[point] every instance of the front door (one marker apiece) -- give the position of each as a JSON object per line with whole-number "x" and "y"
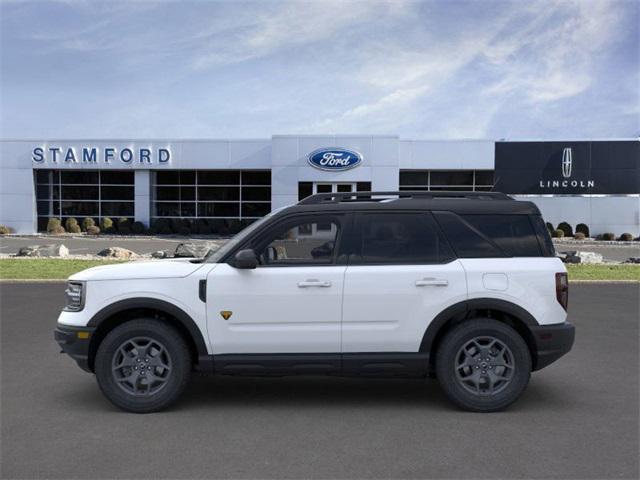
{"x": 292, "y": 302}
{"x": 401, "y": 275}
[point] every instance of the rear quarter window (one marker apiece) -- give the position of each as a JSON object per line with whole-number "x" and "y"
{"x": 483, "y": 236}
{"x": 514, "y": 234}
{"x": 467, "y": 241}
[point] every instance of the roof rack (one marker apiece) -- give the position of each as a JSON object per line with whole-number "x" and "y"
{"x": 419, "y": 194}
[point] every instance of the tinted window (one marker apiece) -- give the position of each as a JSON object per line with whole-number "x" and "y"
{"x": 467, "y": 242}
{"x": 512, "y": 233}
{"x": 548, "y": 250}
{"x": 394, "y": 238}
{"x": 305, "y": 242}
{"x": 453, "y": 177}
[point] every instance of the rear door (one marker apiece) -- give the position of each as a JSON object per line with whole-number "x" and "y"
{"x": 401, "y": 274}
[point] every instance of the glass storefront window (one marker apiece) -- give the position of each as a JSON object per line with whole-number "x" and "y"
{"x": 453, "y": 180}
{"x": 80, "y": 194}
{"x": 211, "y": 194}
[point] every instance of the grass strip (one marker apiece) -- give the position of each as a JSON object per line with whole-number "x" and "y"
{"x": 45, "y": 268}
{"x": 604, "y": 272}
{"x": 58, "y": 268}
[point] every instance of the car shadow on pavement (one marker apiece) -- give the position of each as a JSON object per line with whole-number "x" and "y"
{"x": 313, "y": 392}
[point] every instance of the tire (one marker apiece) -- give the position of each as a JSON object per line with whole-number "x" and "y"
{"x": 143, "y": 365}
{"x": 472, "y": 382}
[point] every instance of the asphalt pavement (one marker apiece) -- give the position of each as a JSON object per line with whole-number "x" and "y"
{"x": 578, "y": 419}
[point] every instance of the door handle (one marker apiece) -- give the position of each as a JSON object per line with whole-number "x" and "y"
{"x": 432, "y": 282}
{"x": 313, "y": 283}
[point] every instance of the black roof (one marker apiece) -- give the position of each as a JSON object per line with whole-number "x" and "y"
{"x": 457, "y": 202}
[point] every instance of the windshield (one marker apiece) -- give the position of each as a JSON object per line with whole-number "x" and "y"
{"x": 216, "y": 255}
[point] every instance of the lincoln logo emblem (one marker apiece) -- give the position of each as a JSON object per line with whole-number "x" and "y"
{"x": 567, "y": 160}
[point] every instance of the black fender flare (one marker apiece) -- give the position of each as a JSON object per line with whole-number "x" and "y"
{"x": 153, "y": 303}
{"x": 459, "y": 310}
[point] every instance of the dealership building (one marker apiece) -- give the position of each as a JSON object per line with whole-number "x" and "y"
{"x": 596, "y": 182}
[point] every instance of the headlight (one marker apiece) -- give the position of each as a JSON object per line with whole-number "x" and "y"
{"x": 74, "y": 295}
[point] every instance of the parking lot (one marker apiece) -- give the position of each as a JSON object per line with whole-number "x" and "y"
{"x": 578, "y": 419}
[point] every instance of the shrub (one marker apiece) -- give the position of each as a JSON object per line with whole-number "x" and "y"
{"x": 583, "y": 228}
{"x": 124, "y": 226}
{"x": 566, "y": 228}
{"x": 70, "y": 222}
{"x": 71, "y": 225}
{"x": 93, "y": 230}
{"x": 181, "y": 226}
{"x": 607, "y": 236}
{"x": 202, "y": 227}
{"x": 550, "y": 227}
{"x": 161, "y": 226}
{"x": 579, "y": 236}
{"x": 88, "y": 222}
{"x": 57, "y": 230}
{"x": 4, "y": 230}
{"x": 138, "y": 228}
{"x": 626, "y": 237}
{"x": 52, "y": 224}
{"x": 557, "y": 233}
{"x": 106, "y": 225}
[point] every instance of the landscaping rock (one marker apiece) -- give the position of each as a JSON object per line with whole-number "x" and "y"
{"x": 52, "y": 250}
{"x": 191, "y": 250}
{"x": 581, "y": 257}
{"x": 159, "y": 254}
{"x": 117, "y": 252}
{"x": 562, "y": 256}
{"x": 632, "y": 260}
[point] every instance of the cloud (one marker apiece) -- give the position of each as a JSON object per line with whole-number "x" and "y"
{"x": 287, "y": 25}
{"x": 419, "y": 69}
{"x": 553, "y": 57}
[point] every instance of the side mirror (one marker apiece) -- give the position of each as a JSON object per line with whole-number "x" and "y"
{"x": 245, "y": 259}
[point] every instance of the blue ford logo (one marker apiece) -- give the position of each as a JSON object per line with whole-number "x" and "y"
{"x": 334, "y": 159}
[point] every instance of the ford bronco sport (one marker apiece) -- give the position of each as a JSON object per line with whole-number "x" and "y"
{"x": 463, "y": 286}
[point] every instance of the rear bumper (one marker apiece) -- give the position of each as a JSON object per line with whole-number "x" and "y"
{"x": 74, "y": 341}
{"x": 552, "y": 342}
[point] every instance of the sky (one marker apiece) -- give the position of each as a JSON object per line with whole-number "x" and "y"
{"x": 420, "y": 70}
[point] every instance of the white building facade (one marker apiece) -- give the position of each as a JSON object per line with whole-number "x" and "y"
{"x": 223, "y": 181}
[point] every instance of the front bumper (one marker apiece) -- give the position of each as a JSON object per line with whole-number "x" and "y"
{"x": 74, "y": 341}
{"x": 552, "y": 342}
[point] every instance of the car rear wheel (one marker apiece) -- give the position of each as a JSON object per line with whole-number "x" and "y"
{"x": 143, "y": 365}
{"x": 483, "y": 365}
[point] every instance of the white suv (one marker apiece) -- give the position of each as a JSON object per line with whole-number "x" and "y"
{"x": 463, "y": 286}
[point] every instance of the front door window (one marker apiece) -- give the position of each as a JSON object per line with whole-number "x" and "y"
{"x": 322, "y": 187}
{"x": 294, "y": 245}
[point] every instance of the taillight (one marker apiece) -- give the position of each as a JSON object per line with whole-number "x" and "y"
{"x": 562, "y": 289}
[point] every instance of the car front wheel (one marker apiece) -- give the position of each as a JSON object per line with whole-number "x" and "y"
{"x": 143, "y": 365}
{"x": 483, "y": 365}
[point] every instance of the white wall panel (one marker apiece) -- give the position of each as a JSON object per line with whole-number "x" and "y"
{"x": 616, "y": 214}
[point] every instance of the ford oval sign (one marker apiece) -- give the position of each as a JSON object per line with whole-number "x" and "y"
{"x": 334, "y": 159}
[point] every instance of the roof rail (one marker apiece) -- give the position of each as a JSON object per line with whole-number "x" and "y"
{"x": 419, "y": 194}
